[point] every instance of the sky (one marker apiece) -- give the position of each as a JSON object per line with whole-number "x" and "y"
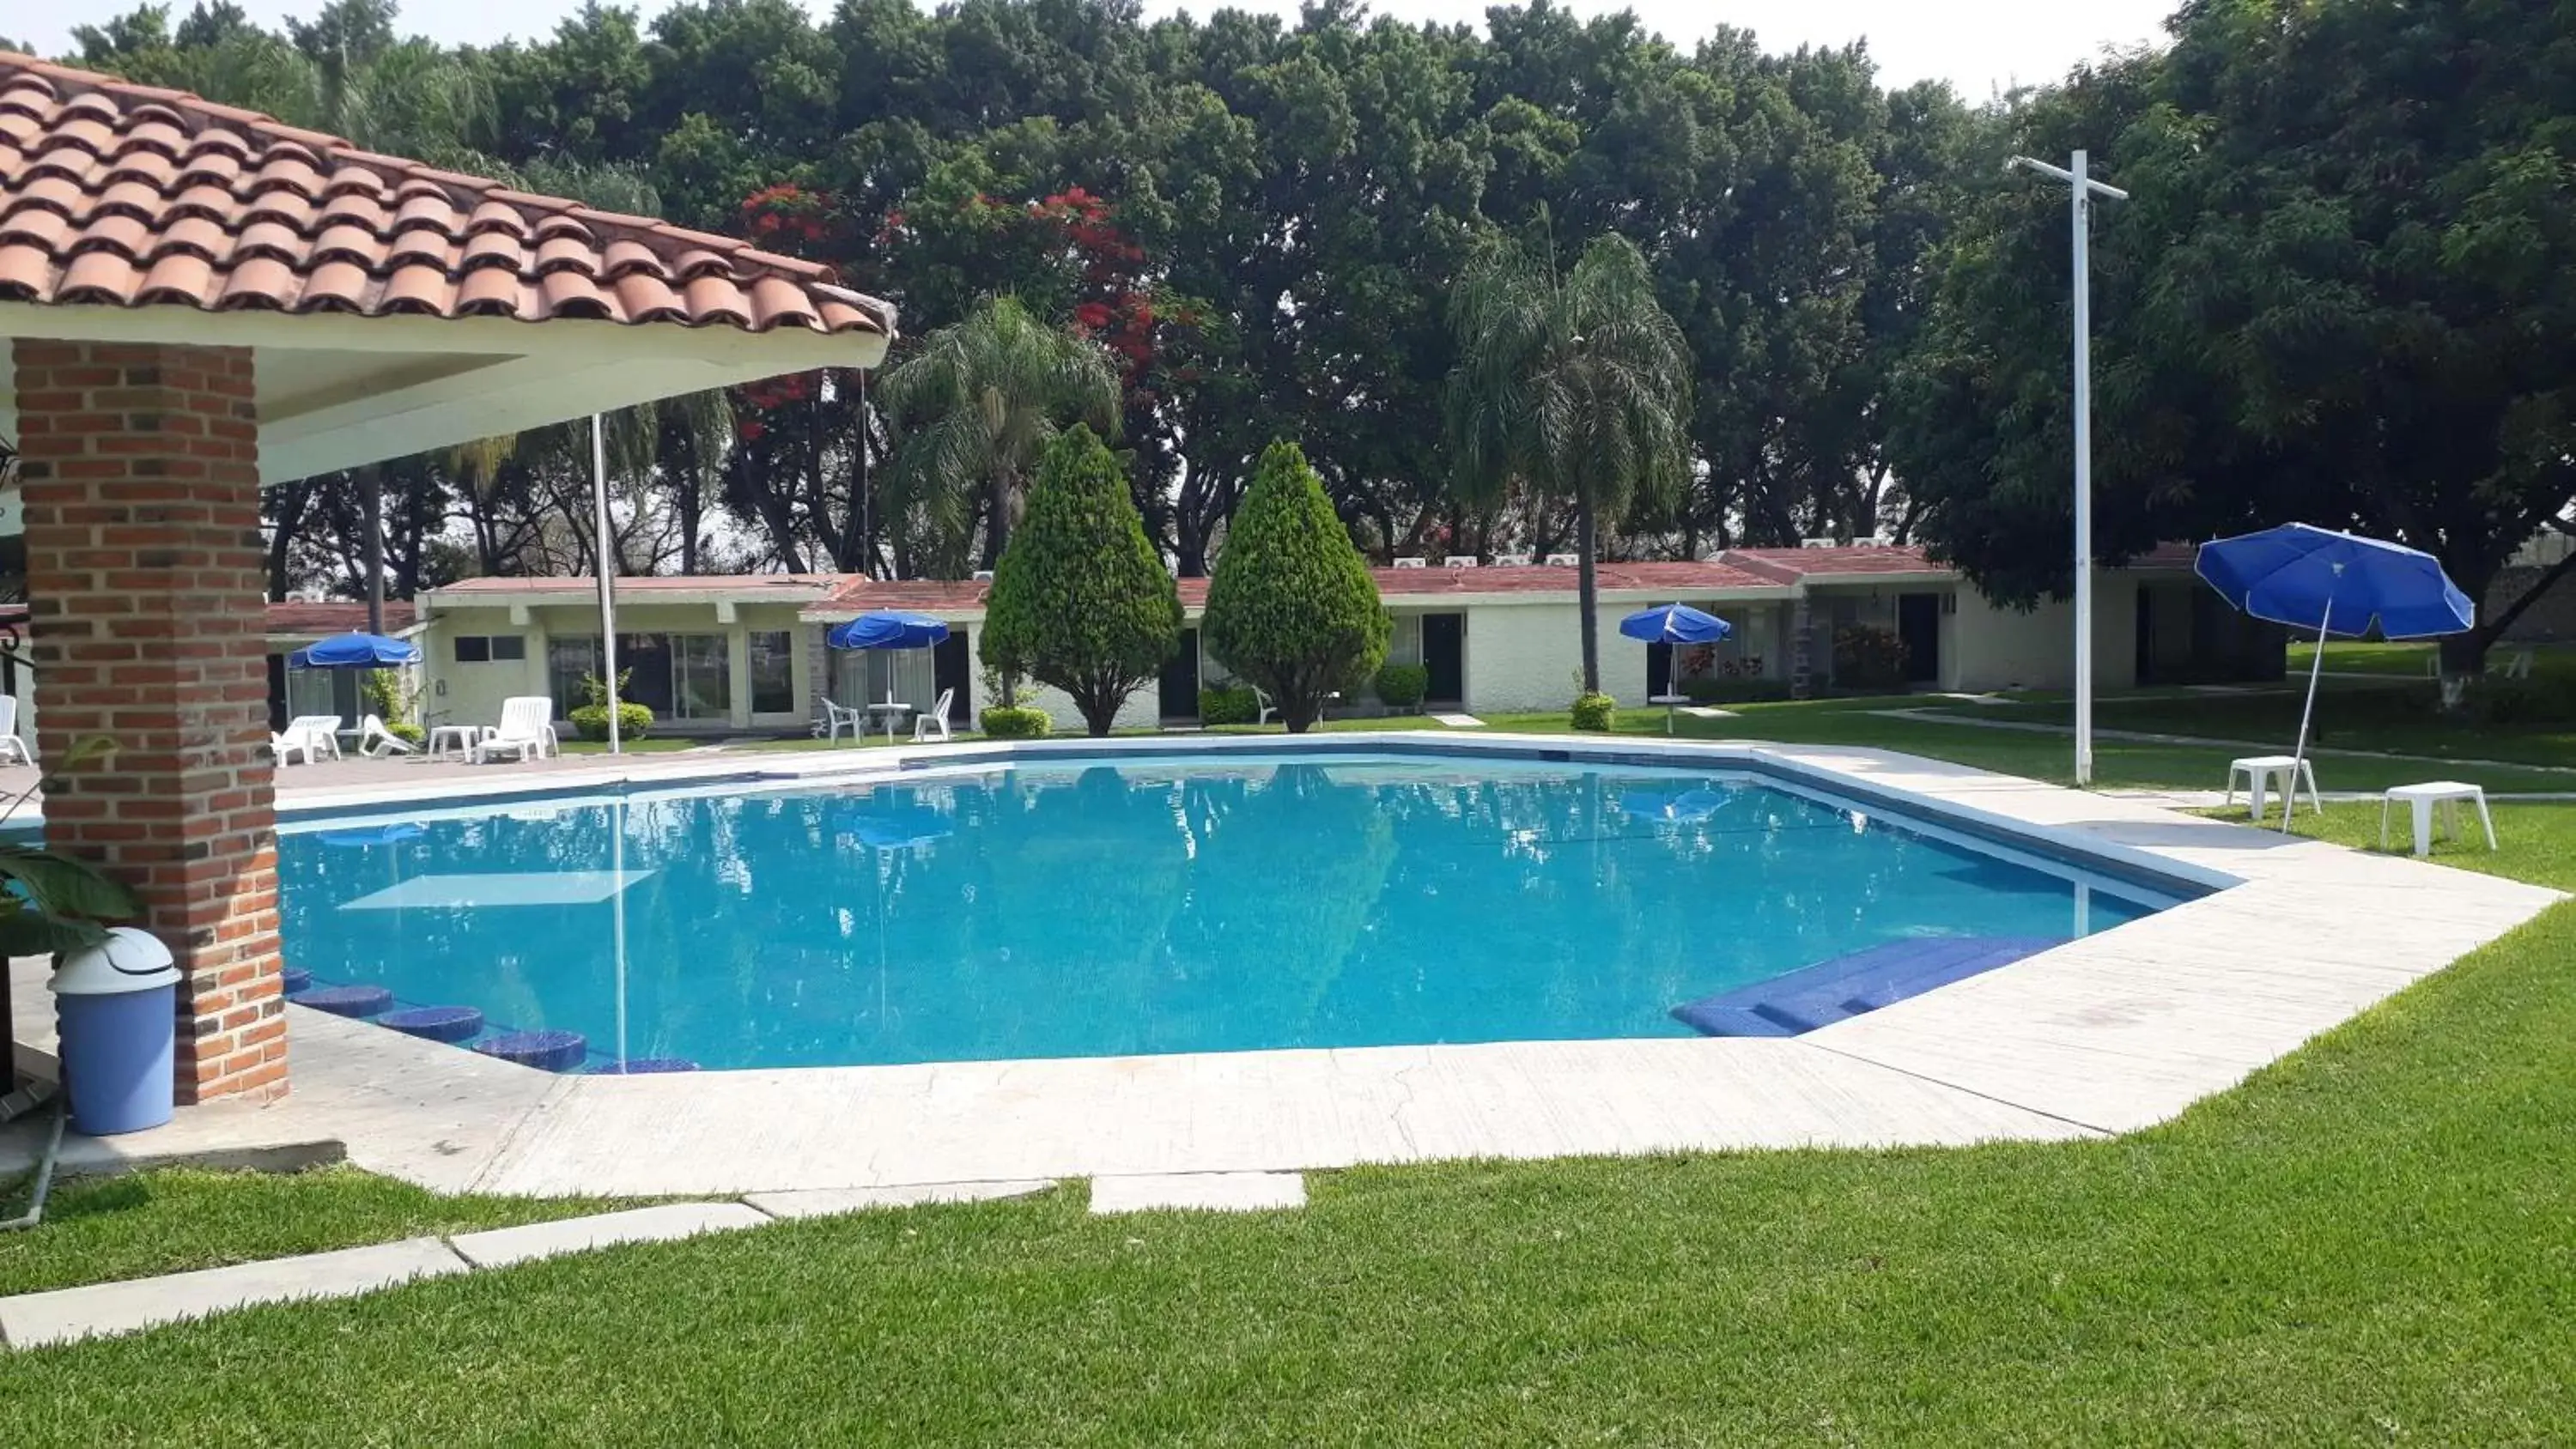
{"x": 1979, "y": 46}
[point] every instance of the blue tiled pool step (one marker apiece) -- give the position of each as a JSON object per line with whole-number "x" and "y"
{"x": 1848, "y": 985}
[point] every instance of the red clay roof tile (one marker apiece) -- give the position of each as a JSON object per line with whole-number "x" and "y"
{"x": 101, "y": 180}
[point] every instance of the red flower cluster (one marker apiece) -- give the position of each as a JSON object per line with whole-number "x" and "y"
{"x": 787, "y": 214}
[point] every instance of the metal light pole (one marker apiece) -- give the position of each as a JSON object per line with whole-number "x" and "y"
{"x": 607, "y": 554}
{"x": 2081, "y": 189}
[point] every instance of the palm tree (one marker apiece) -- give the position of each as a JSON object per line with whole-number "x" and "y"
{"x": 972, "y": 410}
{"x": 1574, "y": 386}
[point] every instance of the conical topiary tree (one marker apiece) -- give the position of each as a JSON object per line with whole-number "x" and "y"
{"x": 1080, "y": 599}
{"x": 1291, "y": 608}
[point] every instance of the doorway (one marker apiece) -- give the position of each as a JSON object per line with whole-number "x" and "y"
{"x": 1178, "y": 696}
{"x": 1444, "y": 658}
{"x": 1918, "y": 628}
{"x": 952, "y": 672}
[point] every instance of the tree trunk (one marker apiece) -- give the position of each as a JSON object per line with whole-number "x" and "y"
{"x": 997, "y": 525}
{"x": 1587, "y": 594}
{"x": 2464, "y": 656}
{"x": 372, "y": 487}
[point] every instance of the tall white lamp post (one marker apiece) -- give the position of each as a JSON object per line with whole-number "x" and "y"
{"x": 607, "y": 552}
{"x": 2081, "y": 189}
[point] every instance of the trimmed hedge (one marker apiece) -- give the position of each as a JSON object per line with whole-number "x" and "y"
{"x": 1229, "y": 704}
{"x": 1402, "y": 686}
{"x": 1595, "y": 712}
{"x": 1015, "y": 722}
{"x": 634, "y": 721}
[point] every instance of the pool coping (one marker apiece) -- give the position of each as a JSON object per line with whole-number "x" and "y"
{"x": 2100, "y": 1036}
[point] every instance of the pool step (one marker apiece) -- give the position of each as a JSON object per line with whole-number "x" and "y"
{"x": 1849, "y": 985}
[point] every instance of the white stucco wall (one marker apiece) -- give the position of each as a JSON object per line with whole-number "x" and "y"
{"x": 1989, "y": 646}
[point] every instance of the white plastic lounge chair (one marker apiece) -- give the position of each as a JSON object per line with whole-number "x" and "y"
{"x": 1267, "y": 708}
{"x": 526, "y": 731}
{"x": 284, "y": 748}
{"x": 376, "y": 742}
{"x": 13, "y": 750}
{"x": 319, "y": 732}
{"x": 837, "y": 717}
{"x": 932, "y": 723}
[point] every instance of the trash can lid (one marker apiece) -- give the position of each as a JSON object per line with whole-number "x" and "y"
{"x": 130, "y": 959}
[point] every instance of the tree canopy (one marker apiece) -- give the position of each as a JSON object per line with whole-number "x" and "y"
{"x": 2341, "y": 293}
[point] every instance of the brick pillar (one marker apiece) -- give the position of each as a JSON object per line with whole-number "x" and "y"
{"x": 145, "y": 579}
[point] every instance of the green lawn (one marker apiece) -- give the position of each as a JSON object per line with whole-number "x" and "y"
{"x": 2415, "y": 661}
{"x": 649, "y": 745}
{"x": 2351, "y": 716}
{"x": 2373, "y": 1240}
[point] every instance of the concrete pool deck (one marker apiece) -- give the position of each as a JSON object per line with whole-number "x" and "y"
{"x": 2100, "y": 1036}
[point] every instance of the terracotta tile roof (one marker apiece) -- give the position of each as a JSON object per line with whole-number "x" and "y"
{"x": 316, "y": 620}
{"x": 124, "y": 195}
{"x": 1848, "y": 560}
{"x": 856, "y": 594}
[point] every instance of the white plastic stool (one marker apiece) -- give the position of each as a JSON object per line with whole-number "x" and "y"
{"x": 2258, "y": 771}
{"x": 2423, "y": 798}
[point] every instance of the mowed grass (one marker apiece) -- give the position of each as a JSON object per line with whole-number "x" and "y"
{"x": 176, "y": 1220}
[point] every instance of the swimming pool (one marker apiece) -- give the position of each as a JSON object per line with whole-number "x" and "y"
{"x": 1149, "y": 905}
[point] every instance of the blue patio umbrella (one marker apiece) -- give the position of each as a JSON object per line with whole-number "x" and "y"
{"x": 2335, "y": 583}
{"x": 888, "y": 629}
{"x": 1674, "y": 624}
{"x": 354, "y": 651}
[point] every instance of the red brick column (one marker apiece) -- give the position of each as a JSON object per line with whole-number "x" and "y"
{"x": 144, "y": 577}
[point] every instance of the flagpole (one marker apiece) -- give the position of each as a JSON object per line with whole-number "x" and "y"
{"x": 606, "y": 552}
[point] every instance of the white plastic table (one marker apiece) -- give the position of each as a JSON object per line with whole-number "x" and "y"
{"x": 2423, "y": 798}
{"x": 462, "y": 738}
{"x": 2259, "y": 771}
{"x": 893, "y": 710}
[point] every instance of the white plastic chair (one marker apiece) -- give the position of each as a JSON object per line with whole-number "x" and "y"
{"x": 1267, "y": 708}
{"x": 13, "y": 750}
{"x": 838, "y": 717}
{"x": 284, "y": 748}
{"x": 932, "y": 724}
{"x": 320, "y": 734}
{"x": 377, "y": 742}
{"x": 526, "y": 731}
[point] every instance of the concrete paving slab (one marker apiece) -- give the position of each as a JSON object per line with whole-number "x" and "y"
{"x": 1226, "y": 1192}
{"x": 834, "y": 1201}
{"x": 667, "y": 1222}
{"x": 31, "y": 1319}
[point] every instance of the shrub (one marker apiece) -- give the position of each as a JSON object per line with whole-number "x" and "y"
{"x": 1080, "y": 599}
{"x": 634, "y": 721}
{"x": 1868, "y": 658}
{"x": 1292, "y": 607}
{"x": 1229, "y": 704}
{"x": 1016, "y": 722}
{"x": 407, "y": 732}
{"x": 1595, "y": 712}
{"x": 1402, "y": 686}
{"x": 2544, "y": 699}
{"x": 1710, "y": 689}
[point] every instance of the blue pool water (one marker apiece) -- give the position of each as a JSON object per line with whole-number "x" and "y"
{"x": 1090, "y": 910}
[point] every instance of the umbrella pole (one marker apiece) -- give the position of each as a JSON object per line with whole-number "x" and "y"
{"x": 2299, "y": 752}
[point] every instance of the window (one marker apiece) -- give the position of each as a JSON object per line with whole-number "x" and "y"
{"x": 773, "y": 671}
{"x": 701, "y": 676}
{"x": 568, "y": 662}
{"x": 490, "y": 648}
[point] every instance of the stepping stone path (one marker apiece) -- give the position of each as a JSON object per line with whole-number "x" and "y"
{"x": 99, "y": 1310}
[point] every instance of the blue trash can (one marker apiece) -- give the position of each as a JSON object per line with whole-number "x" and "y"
{"x": 117, "y": 1008}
